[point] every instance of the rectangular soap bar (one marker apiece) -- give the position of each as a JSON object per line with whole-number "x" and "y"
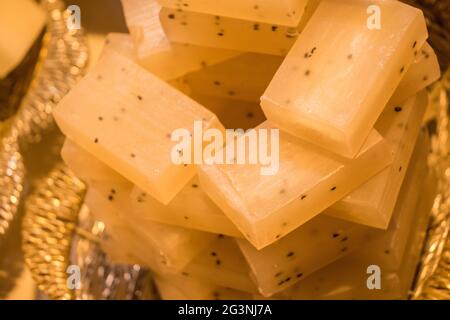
{"x": 227, "y": 33}
{"x": 21, "y": 22}
{"x": 124, "y": 116}
{"x": 309, "y": 248}
{"x": 424, "y": 71}
{"x": 269, "y": 199}
{"x": 283, "y": 12}
{"x": 244, "y": 77}
{"x": 347, "y": 278}
{"x": 373, "y": 203}
{"x": 153, "y": 50}
{"x": 184, "y": 288}
{"x": 172, "y": 248}
{"x": 340, "y": 74}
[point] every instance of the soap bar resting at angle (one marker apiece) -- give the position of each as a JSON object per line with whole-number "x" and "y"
{"x": 265, "y": 208}
{"x": 125, "y": 116}
{"x": 340, "y": 74}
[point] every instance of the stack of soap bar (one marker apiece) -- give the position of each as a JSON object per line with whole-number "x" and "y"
{"x": 373, "y": 203}
{"x": 125, "y": 116}
{"x": 332, "y": 56}
{"x": 154, "y": 51}
{"x": 265, "y": 208}
{"x": 21, "y": 21}
{"x": 227, "y": 33}
{"x": 244, "y": 77}
{"x": 183, "y": 288}
{"x": 424, "y": 71}
{"x": 347, "y": 278}
{"x": 309, "y": 248}
{"x": 284, "y": 12}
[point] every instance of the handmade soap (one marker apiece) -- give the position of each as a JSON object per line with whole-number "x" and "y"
{"x": 281, "y": 12}
{"x": 269, "y": 199}
{"x": 21, "y": 21}
{"x": 125, "y": 116}
{"x": 341, "y": 72}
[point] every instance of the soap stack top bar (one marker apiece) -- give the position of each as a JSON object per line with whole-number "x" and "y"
{"x": 26, "y": 19}
{"x": 125, "y": 116}
{"x": 279, "y": 12}
{"x": 340, "y": 74}
{"x": 267, "y": 207}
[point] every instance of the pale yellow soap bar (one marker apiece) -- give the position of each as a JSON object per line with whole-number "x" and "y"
{"x": 227, "y": 33}
{"x": 266, "y": 201}
{"x": 280, "y": 12}
{"x": 125, "y": 116}
{"x": 309, "y": 248}
{"x": 373, "y": 203}
{"x": 21, "y": 22}
{"x": 153, "y": 50}
{"x": 342, "y": 70}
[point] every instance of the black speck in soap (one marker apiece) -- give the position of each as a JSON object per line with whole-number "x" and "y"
{"x": 290, "y": 254}
{"x": 185, "y": 274}
{"x": 100, "y": 118}
{"x": 194, "y": 185}
{"x": 344, "y": 249}
{"x": 231, "y": 93}
{"x": 402, "y": 69}
{"x": 256, "y": 27}
{"x": 335, "y": 235}
{"x": 217, "y": 83}
{"x": 132, "y": 155}
{"x": 277, "y": 274}
{"x": 334, "y": 188}
{"x": 278, "y": 236}
{"x": 303, "y": 197}
{"x": 213, "y": 253}
{"x": 171, "y": 16}
{"x": 274, "y": 28}
{"x": 110, "y": 198}
{"x": 414, "y": 44}
{"x": 287, "y": 279}
{"x": 96, "y": 140}
{"x": 139, "y": 98}
{"x": 113, "y": 191}
{"x": 307, "y": 73}
{"x": 387, "y": 251}
{"x": 218, "y": 262}
{"x": 350, "y": 57}
{"x": 398, "y": 109}
{"x": 186, "y": 218}
{"x": 220, "y": 34}
{"x": 281, "y": 282}
{"x": 299, "y": 275}
{"x": 400, "y": 169}
{"x": 250, "y": 115}
{"x": 425, "y": 78}
{"x": 220, "y": 236}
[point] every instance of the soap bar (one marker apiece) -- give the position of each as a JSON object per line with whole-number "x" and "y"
{"x": 153, "y": 50}
{"x": 424, "y": 71}
{"x": 223, "y": 264}
{"x": 281, "y": 12}
{"x": 124, "y": 116}
{"x": 373, "y": 203}
{"x": 184, "y": 288}
{"x": 21, "y": 22}
{"x": 266, "y": 202}
{"x": 309, "y": 248}
{"x": 227, "y": 33}
{"x": 244, "y": 77}
{"x": 171, "y": 247}
{"x": 340, "y": 74}
{"x": 347, "y": 278}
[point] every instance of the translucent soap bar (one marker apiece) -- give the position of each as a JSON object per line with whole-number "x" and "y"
{"x": 173, "y": 247}
{"x": 184, "y": 288}
{"x": 283, "y": 12}
{"x": 373, "y": 203}
{"x": 265, "y": 203}
{"x": 245, "y": 77}
{"x": 340, "y": 74}
{"x": 222, "y": 264}
{"x": 153, "y": 50}
{"x": 424, "y": 71}
{"x": 21, "y": 22}
{"x": 124, "y": 116}
{"x": 309, "y": 248}
{"x": 347, "y": 278}
{"x": 227, "y": 33}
